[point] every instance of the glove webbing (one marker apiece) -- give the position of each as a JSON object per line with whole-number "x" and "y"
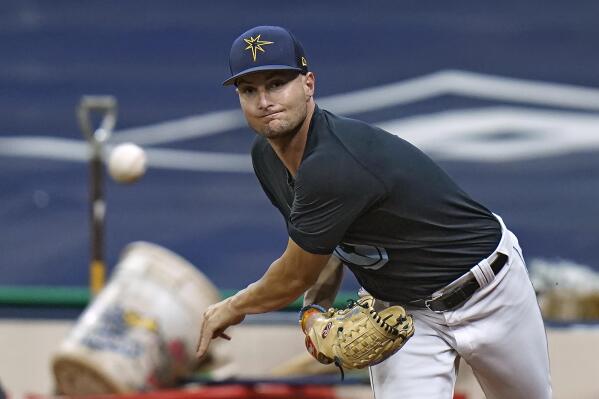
{"x": 383, "y": 322}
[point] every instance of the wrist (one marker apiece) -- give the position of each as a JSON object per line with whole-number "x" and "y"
{"x": 307, "y": 312}
{"x": 232, "y": 303}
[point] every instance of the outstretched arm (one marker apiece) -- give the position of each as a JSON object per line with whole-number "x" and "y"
{"x": 286, "y": 279}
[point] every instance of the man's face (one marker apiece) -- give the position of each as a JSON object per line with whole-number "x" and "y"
{"x": 275, "y": 103}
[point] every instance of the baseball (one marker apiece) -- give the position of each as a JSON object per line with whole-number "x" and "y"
{"x": 127, "y": 163}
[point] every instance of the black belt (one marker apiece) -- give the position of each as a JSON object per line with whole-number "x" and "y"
{"x": 455, "y": 297}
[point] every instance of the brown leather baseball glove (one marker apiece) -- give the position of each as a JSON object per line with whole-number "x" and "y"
{"x": 355, "y": 337}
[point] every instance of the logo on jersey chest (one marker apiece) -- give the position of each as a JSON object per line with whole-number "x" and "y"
{"x": 367, "y": 256}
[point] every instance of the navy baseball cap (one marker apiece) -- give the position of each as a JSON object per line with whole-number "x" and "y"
{"x": 265, "y": 48}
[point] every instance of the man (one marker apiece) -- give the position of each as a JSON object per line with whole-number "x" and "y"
{"x": 355, "y": 194}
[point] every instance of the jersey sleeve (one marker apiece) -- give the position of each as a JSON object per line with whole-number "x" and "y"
{"x": 327, "y": 201}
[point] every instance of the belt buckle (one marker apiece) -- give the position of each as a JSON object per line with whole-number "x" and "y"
{"x": 427, "y": 303}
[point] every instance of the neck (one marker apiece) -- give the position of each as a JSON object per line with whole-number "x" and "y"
{"x": 290, "y": 150}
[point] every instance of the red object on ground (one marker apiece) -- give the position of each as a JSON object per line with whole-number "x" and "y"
{"x": 256, "y": 391}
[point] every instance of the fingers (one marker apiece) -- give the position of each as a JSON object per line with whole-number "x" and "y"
{"x": 203, "y": 343}
{"x": 215, "y": 320}
{"x": 207, "y": 333}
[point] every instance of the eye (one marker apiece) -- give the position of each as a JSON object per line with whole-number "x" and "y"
{"x": 275, "y": 84}
{"x": 246, "y": 90}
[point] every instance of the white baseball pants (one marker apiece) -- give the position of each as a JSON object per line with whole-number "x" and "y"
{"x": 499, "y": 332}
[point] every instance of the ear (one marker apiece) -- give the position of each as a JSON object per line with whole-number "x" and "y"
{"x": 309, "y": 84}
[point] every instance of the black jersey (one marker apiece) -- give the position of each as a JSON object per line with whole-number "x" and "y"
{"x": 393, "y": 216}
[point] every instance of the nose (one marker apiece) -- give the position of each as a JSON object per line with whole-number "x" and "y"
{"x": 263, "y": 99}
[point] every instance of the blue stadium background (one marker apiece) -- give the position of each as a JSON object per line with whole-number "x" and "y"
{"x": 165, "y": 60}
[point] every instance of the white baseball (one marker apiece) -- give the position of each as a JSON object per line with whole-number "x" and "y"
{"x": 127, "y": 163}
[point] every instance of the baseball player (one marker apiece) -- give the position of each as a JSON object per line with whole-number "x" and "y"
{"x": 356, "y": 195}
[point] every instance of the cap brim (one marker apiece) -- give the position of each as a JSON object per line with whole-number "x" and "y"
{"x": 232, "y": 79}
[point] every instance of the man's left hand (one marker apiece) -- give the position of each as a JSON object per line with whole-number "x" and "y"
{"x": 216, "y": 319}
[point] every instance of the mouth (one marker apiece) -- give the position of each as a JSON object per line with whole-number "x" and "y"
{"x": 272, "y": 115}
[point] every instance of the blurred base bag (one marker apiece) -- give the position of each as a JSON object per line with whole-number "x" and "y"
{"x": 569, "y": 305}
{"x": 140, "y": 332}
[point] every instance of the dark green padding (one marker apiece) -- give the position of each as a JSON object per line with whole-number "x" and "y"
{"x": 78, "y": 297}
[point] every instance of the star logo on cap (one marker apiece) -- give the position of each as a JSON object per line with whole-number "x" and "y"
{"x": 255, "y": 44}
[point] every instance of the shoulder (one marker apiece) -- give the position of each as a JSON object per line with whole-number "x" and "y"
{"x": 335, "y": 136}
{"x": 345, "y": 149}
{"x": 346, "y": 125}
{"x": 335, "y": 172}
{"x": 259, "y": 147}
{"x": 263, "y": 156}
{"x": 263, "y": 160}
{"x": 360, "y": 139}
